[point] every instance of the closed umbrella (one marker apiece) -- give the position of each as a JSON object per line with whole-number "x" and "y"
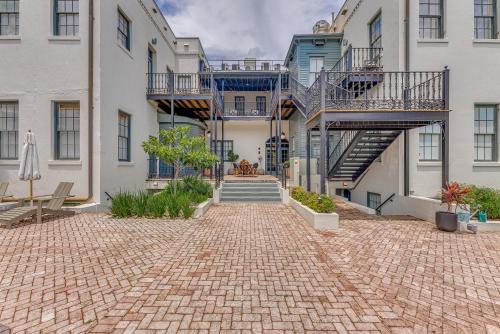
{"x": 30, "y": 165}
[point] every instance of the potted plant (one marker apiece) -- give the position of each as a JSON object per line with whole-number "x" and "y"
{"x": 453, "y": 195}
{"x": 232, "y": 157}
{"x": 286, "y": 167}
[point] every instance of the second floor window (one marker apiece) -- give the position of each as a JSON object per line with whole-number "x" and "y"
{"x": 376, "y": 32}
{"x": 9, "y": 130}
{"x": 315, "y": 66}
{"x": 67, "y": 119}
{"x": 123, "y": 31}
{"x": 66, "y": 17}
{"x": 431, "y": 19}
{"x": 261, "y": 104}
{"x": 9, "y": 17}
{"x": 239, "y": 104}
{"x": 485, "y": 19}
{"x": 485, "y": 132}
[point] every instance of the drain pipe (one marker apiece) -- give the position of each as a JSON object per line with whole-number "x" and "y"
{"x": 407, "y": 132}
{"x": 91, "y": 102}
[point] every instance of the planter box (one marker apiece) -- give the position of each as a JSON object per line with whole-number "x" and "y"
{"x": 319, "y": 221}
{"x": 202, "y": 208}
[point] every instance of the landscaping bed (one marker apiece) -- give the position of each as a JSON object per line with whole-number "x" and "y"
{"x": 188, "y": 198}
{"x": 317, "y": 210}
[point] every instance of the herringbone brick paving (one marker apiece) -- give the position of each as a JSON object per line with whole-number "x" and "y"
{"x": 247, "y": 268}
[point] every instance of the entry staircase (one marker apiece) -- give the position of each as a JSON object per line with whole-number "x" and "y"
{"x": 258, "y": 191}
{"x": 356, "y": 151}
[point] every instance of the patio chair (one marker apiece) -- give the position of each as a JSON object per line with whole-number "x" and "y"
{"x": 3, "y": 191}
{"x": 53, "y": 207}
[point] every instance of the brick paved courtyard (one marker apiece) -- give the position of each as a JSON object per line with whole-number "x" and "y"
{"x": 247, "y": 268}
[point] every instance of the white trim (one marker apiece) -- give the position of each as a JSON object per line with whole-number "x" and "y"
{"x": 495, "y": 164}
{"x": 64, "y": 38}
{"x": 64, "y": 162}
{"x": 486, "y": 41}
{"x": 429, "y": 164}
{"x": 126, "y": 164}
{"x": 432, "y": 41}
{"x": 124, "y": 49}
{"x": 10, "y": 162}
{"x": 10, "y": 37}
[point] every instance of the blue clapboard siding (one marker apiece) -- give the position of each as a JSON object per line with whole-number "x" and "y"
{"x": 306, "y": 49}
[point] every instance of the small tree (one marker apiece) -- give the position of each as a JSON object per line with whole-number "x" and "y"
{"x": 177, "y": 148}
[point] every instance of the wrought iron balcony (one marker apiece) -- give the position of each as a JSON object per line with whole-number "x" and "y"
{"x": 360, "y": 59}
{"x": 179, "y": 84}
{"x": 238, "y": 109}
{"x": 248, "y": 64}
{"x": 376, "y": 91}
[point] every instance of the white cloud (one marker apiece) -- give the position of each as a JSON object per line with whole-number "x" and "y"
{"x": 238, "y": 28}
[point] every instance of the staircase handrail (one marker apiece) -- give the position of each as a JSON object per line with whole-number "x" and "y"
{"x": 378, "y": 210}
{"x": 344, "y": 142}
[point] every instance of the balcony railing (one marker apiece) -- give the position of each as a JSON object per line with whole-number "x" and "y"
{"x": 160, "y": 170}
{"x": 369, "y": 90}
{"x": 179, "y": 84}
{"x": 360, "y": 59}
{"x": 245, "y": 109}
{"x": 249, "y": 64}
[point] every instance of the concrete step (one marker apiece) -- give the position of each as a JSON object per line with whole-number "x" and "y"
{"x": 250, "y": 185}
{"x": 249, "y": 198}
{"x": 251, "y": 191}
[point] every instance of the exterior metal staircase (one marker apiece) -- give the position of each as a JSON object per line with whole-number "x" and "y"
{"x": 356, "y": 151}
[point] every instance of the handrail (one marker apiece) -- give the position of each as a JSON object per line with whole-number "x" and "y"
{"x": 378, "y": 210}
{"x": 344, "y": 142}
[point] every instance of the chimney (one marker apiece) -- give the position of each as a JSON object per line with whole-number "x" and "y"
{"x": 333, "y": 18}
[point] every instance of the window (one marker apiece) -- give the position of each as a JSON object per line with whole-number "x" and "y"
{"x": 123, "y": 31}
{"x": 431, "y": 19}
{"x": 8, "y": 130}
{"x": 485, "y": 132}
{"x": 9, "y": 17}
{"x": 261, "y": 104}
{"x": 376, "y": 32}
{"x": 374, "y": 200}
{"x": 66, "y": 18}
{"x": 315, "y": 146}
{"x": 228, "y": 146}
{"x": 239, "y": 104}
{"x": 430, "y": 143}
{"x": 67, "y": 137}
{"x": 123, "y": 137}
{"x": 315, "y": 66}
{"x": 485, "y": 19}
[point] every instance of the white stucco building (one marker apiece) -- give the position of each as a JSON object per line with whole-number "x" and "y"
{"x": 74, "y": 72}
{"x": 427, "y": 36}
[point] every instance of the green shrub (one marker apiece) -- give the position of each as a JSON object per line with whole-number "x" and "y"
{"x": 122, "y": 205}
{"x": 198, "y": 199}
{"x": 173, "y": 205}
{"x": 487, "y": 198}
{"x": 195, "y": 185}
{"x": 316, "y": 202}
{"x": 185, "y": 205}
{"x": 156, "y": 206}
{"x": 140, "y": 203}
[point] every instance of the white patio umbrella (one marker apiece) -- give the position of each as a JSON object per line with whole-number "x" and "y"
{"x": 30, "y": 165}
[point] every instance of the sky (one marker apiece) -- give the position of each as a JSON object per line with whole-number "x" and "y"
{"x": 234, "y": 29}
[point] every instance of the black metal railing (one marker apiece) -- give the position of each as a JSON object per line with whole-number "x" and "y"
{"x": 179, "y": 83}
{"x": 360, "y": 59}
{"x": 219, "y": 174}
{"x": 298, "y": 91}
{"x": 160, "y": 170}
{"x": 249, "y": 64}
{"x": 245, "y": 109}
{"x": 377, "y": 90}
{"x": 345, "y": 141}
{"x": 378, "y": 210}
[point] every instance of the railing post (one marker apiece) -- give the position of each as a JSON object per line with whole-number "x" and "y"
{"x": 322, "y": 77}
{"x": 349, "y": 59}
{"x": 308, "y": 161}
{"x": 445, "y": 130}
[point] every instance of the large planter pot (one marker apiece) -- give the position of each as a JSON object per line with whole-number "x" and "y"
{"x": 447, "y": 221}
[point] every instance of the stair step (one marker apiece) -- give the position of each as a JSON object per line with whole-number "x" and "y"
{"x": 250, "y": 185}
{"x": 249, "y": 198}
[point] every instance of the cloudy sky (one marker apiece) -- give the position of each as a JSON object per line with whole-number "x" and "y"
{"x": 233, "y": 29}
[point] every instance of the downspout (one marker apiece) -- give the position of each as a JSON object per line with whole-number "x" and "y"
{"x": 91, "y": 102}
{"x": 407, "y": 132}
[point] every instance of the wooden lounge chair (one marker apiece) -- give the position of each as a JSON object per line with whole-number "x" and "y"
{"x": 3, "y": 191}
{"x": 53, "y": 207}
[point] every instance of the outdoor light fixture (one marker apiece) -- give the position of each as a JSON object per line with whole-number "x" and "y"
{"x": 283, "y": 137}
{"x": 154, "y": 41}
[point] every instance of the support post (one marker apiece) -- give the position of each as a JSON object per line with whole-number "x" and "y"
{"x": 270, "y": 160}
{"x": 278, "y": 139}
{"x": 212, "y": 128}
{"x": 406, "y": 163}
{"x": 276, "y": 146}
{"x": 308, "y": 160}
{"x": 445, "y": 130}
{"x": 322, "y": 156}
{"x": 172, "y": 124}
{"x": 222, "y": 154}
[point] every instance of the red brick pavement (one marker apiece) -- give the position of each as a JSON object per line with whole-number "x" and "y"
{"x": 247, "y": 268}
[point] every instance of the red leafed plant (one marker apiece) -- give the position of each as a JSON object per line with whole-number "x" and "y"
{"x": 454, "y": 193}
